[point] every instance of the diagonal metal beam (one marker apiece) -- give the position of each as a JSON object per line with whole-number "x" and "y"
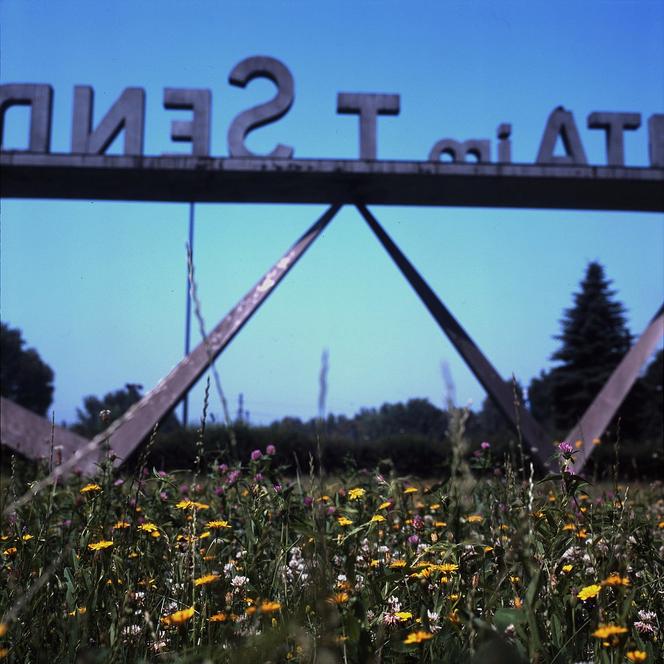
{"x": 594, "y": 421}
{"x": 127, "y": 432}
{"x": 34, "y": 436}
{"x": 489, "y": 378}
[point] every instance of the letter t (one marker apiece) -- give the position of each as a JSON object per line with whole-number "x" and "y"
{"x": 367, "y": 106}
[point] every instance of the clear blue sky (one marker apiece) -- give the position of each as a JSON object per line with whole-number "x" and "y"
{"x": 99, "y": 288}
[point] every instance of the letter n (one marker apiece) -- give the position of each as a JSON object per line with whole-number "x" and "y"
{"x": 128, "y": 114}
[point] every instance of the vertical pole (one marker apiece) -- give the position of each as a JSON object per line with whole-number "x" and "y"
{"x": 187, "y": 323}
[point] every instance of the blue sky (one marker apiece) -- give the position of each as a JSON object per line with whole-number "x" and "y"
{"x": 99, "y": 288}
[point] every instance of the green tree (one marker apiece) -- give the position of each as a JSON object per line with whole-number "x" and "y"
{"x": 24, "y": 377}
{"x": 90, "y": 422}
{"x": 594, "y": 339}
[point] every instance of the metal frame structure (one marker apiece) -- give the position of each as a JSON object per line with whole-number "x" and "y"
{"x": 127, "y": 432}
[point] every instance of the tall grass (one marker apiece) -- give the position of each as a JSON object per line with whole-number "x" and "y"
{"x": 239, "y": 562}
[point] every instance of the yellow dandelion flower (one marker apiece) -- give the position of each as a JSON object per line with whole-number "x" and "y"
{"x": 410, "y": 489}
{"x": 377, "y": 518}
{"x": 269, "y": 607}
{"x": 488, "y": 549}
{"x": 589, "y": 592}
{"x": 616, "y": 580}
{"x": 397, "y": 564}
{"x": 148, "y": 527}
{"x": 435, "y": 506}
{"x": 607, "y": 631}
{"x": 388, "y": 503}
{"x": 89, "y": 488}
{"x": 636, "y": 655}
{"x": 356, "y": 494}
{"x": 417, "y": 637}
{"x": 447, "y": 567}
{"x": 597, "y": 441}
{"x": 344, "y": 521}
{"x": 102, "y": 544}
{"x": 119, "y": 525}
{"x": 26, "y": 537}
{"x": 440, "y": 524}
{"x": 78, "y": 612}
{"x": 218, "y": 524}
{"x": 660, "y": 524}
{"x": 569, "y": 526}
{"x": 178, "y": 617}
{"x": 204, "y": 580}
{"x": 338, "y": 598}
{"x": 3, "y": 628}
{"x": 4, "y": 652}
{"x": 218, "y": 617}
{"x": 424, "y": 574}
{"x": 578, "y": 444}
{"x": 374, "y": 563}
{"x": 191, "y": 505}
{"x": 455, "y": 596}
{"x": 568, "y": 568}
{"x": 403, "y": 615}
{"x": 475, "y": 518}
{"x": 582, "y": 534}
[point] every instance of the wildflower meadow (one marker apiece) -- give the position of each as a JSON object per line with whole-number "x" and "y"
{"x": 239, "y": 561}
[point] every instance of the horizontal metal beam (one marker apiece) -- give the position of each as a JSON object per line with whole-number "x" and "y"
{"x": 264, "y": 180}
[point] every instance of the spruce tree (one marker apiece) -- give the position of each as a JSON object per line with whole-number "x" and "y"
{"x": 594, "y": 339}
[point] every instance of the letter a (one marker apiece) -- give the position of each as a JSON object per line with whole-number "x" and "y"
{"x": 561, "y": 123}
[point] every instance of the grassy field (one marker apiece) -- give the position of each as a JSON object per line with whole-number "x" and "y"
{"x": 244, "y": 564}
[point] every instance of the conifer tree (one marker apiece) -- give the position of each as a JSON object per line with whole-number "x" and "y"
{"x": 594, "y": 339}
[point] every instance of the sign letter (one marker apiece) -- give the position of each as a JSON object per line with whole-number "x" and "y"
{"x": 504, "y": 132}
{"x": 458, "y": 151}
{"x": 263, "y": 114}
{"x": 614, "y": 124}
{"x": 40, "y": 100}
{"x": 197, "y": 130}
{"x": 127, "y": 113}
{"x": 561, "y": 123}
{"x": 367, "y": 106}
{"x": 656, "y": 140}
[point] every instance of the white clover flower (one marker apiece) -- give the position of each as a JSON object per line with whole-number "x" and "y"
{"x": 239, "y": 581}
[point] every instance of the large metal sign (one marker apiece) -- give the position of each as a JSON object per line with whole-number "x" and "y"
{"x": 445, "y": 176}
{"x": 553, "y": 181}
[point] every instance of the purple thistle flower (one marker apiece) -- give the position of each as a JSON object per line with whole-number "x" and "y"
{"x": 566, "y": 449}
{"x": 233, "y": 477}
{"x": 271, "y": 450}
{"x": 485, "y": 445}
{"x": 256, "y": 455}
